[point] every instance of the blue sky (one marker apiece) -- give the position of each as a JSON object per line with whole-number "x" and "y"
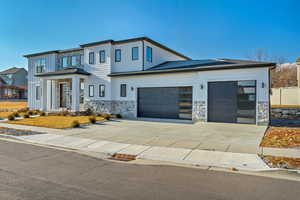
{"x": 199, "y": 29}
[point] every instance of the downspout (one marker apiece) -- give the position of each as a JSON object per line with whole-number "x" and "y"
{"x": 143, "y": 54}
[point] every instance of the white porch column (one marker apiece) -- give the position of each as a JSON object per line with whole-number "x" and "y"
{"x": 49, "y": 95}
{"x": 54, "y": 95}
{"x": 75, "y": 93}
{"x": 43, "y": 95}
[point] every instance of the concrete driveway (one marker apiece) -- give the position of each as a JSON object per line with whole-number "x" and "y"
{"x": 238, "y": 138}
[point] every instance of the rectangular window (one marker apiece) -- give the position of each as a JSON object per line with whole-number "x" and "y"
{"x": 118, "y": 55}
{"x": 81, "y": 92}
{"x": 91, "y": 58}
{"x": 149, "y": 54}
{"x": 123, "y": 90}
{"x": 102, "y": 56}
{"x": 40, "y": 65}
{"x": 135, "y": 53}
{"x": 81, "y": 59}
{"x": 73, "y": 61}
{"x": 101, "y": 90}
{"x": 64, "y": 62}
{"x": 37, "y": 93}
{"x": 91, "y": 90}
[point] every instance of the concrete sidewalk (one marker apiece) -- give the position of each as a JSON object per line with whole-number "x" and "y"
{"x": 240, "y": 161}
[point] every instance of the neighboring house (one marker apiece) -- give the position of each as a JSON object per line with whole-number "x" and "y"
{"x": 13, "y": 83}
{"x": 298, "y": 71}
{"x": 142, "y": 78}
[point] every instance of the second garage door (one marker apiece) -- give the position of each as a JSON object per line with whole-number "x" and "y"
{"x": 165, "y": 102}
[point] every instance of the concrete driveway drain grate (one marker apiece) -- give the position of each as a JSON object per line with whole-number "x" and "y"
{"x": 123, "y": 157}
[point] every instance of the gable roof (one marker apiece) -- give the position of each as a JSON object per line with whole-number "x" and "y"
{"x": 12, "y": 70}
{"x": 113, "y": 42}
{"x": 197, "y": 65}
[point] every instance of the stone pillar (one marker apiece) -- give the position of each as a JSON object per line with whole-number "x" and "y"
{"x": 199, "y": 111}
{"x": 75, "y": 93}
{"x": 263, "y": 113}
{"x": 43, "y": 95}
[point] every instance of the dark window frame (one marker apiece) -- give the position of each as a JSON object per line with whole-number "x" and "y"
{"x": 38, "y": 92}
{"x": 149, "y": 52}
{"x": 71, "y": 60}
{"x": 91, "y": 86}
{"x": 123, "y": 90}
{"x": 92, "y": 61}
{"x": 118, "y": 50}
{"x": 132, "y": 53}
{"x": 101, "y": 93}
{"x": 102, "y": 59}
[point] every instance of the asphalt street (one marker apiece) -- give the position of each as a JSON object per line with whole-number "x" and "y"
{"x": 30, "y": 172}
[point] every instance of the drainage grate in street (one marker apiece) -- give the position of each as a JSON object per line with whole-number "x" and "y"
{"x": 123, "y": 157}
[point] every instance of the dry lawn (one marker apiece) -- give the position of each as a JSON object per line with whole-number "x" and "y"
{"x": 282, "y": 162}
{"x": 278, "y": 137}
{"x": 58, "y": 122}
{"x": 7, "y": 106}
{"x": 286, "y": 106}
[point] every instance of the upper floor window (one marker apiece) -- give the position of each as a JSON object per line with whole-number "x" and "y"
{"x": 123, "y": 90}
{"x": 81, "y": 59}
{"x": 91, "y": 58}
{"x": 74, "y": 61}
{"x": 102, "y": 56}
{"x": 101, "y": 90}
{"x": 64, "y": 61}
{"x": 135, "y": 53}
{"x": 118, "y": 55}
{"x": 40, "y": 65}
{"x": 149, "y": 54}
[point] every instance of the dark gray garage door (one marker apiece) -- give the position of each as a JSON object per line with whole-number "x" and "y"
{"x": 165, "y": 102}
{"x": 232, "y": 101}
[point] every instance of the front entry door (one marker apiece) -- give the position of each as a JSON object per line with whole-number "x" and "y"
{"x": 62, "y": 95}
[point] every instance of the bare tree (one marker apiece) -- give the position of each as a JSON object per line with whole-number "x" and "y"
{"x": 284, "y": 75}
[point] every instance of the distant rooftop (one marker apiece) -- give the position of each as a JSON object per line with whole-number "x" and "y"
{"x": 11, "y": 71}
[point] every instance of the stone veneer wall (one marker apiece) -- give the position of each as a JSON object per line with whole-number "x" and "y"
{"x": 285, "y": 113}
{"x": 263, "y": 113}
{"x": 127, "y": 109}
{"x": 199, "y": 111}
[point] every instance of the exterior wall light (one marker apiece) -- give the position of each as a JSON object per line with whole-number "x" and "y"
{"x": 132, "y": 88}
{"x": 262, "y": 85}
{"x": 201, "y": 86}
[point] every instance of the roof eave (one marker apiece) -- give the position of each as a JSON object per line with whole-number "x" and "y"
{"x": 211, "y": 68}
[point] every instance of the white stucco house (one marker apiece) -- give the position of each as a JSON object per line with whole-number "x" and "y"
{"x": 140, "y": 77}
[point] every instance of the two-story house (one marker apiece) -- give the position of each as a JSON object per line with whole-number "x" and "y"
{"x": 140, "y": 77}
{"x": 13, "y": 83}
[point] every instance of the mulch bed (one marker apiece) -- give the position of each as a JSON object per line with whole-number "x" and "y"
{"x": 282, "y": 162}
{"x": 281, "y": 137}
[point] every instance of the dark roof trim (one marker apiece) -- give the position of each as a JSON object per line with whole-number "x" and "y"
{"x": 193, "y": 69}
{"x": 135, "y": 40}
{"x": 70, "y": 71}
{"x": 113, "y": 42}
{"x": 41, "y": 53}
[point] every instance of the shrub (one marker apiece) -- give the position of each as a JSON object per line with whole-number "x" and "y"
{"x": 92, "y": 119}
{"x": 42, "y": 113}
{"x": 75, "y": 124}
{"x": 23, "y": 110}
{"x": 11, "y": 117}
{"x": 64, "y": 113}
{"x": 26, "y": 115}
{"x": 16, "y": 114}
{"x": 88, "y": 112}
{"x": 119, "y": 116}
{"x": 30, "y": 112}
{"x": 106, "y": 116}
